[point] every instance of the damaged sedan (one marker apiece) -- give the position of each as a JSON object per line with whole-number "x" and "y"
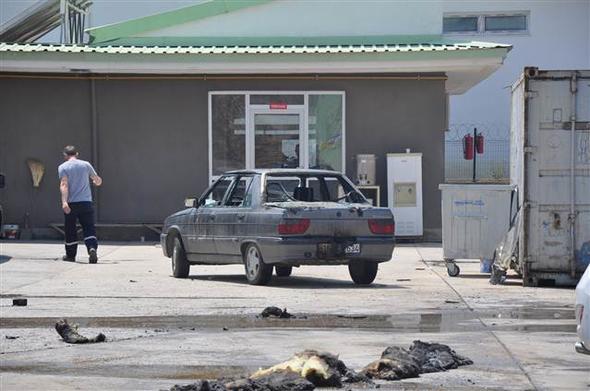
{"x": 279, "y": 219}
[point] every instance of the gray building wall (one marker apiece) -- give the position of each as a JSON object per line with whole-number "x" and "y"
{"x": 152, "y": 139}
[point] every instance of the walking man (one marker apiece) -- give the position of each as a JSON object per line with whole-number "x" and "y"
{"x": 76, "y": 202}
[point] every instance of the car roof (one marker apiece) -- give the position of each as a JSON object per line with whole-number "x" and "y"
{"x": 293, "y": 171}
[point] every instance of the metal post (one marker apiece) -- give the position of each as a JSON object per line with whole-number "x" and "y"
{"x": 474, "y": 154}
{"x": 572, "y": 216}
{"x": 94, "y": 139}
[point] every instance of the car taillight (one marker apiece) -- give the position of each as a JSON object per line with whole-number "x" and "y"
{"x": 382, "y": 226}
{"x": 293, "y": 226}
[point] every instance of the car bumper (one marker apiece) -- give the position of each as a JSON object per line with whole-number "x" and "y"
{"x": 163, "y": 238}
{"x": 581, "y": 348}
{"x": 324, "y": 251}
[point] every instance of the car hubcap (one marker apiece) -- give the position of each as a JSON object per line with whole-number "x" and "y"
{"x": 253, "y": 262}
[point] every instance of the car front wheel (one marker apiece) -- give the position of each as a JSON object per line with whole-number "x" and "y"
{"x": 363, "y": 272}
{"x": 257, "y": 272}
{"x": 180, "y": 265}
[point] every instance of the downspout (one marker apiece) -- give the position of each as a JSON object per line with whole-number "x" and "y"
{"x": 572, "y": 215}
{"x": 94, "y": 139}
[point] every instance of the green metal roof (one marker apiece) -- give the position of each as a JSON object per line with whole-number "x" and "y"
{"x": 473, "y": 48}
{"x": 162, "y": 20}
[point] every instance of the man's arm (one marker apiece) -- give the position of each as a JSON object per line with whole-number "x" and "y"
{"x": 93, "y": 175}
{"x": 96, "y": 180}
{"x": 63, "y": 188}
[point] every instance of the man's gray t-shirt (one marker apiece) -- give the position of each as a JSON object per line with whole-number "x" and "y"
{"x": 78, "y": 173}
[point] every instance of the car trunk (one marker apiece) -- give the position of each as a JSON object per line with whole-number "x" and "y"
{"x": 334, "y": 219}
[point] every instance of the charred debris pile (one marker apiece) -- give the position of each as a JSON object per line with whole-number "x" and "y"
{"x": 310, "y": 369}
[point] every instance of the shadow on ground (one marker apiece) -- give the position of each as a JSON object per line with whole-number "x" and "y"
{"x": 295, "y": 282}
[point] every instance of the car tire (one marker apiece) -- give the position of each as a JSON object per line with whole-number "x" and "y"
{"x": 257, "y": 272}
{"x": 283, "y": 271}
{"x": 180, "y": 265}
{"x": 363, "y": 272}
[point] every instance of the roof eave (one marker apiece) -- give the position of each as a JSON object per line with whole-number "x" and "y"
{"x": 463, "y": 68}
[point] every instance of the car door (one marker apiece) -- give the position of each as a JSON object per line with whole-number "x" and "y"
{"x": 205, "y": 224}
{"x": 233, "y": 216}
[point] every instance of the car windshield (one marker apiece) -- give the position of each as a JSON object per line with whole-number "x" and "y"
{"x": 311, "y": 188}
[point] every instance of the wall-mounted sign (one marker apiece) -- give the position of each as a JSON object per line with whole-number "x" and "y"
{"x": 278, "y": 106}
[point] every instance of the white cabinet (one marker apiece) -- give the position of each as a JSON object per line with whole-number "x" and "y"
{"x": 404, "y": 192}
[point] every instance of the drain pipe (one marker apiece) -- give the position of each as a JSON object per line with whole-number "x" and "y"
{"x": 572, "y": 215}
{"x": 94, "y": 140}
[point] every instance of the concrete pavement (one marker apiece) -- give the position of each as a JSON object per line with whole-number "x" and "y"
{"x": 163, "y": 331}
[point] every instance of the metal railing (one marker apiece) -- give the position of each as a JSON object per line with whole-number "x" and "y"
{"x": 493, "y": 166}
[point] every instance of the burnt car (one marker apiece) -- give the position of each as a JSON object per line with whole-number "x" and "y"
{"x": 281, "y": 218}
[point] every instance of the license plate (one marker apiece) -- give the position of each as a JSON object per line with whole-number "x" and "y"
{"x": 354, "y": 248}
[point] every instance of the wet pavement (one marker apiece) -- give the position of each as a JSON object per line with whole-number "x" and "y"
{"x": 163, "y": 331}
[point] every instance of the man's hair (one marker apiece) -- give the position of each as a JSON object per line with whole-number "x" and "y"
{"x": 70, "y": 150}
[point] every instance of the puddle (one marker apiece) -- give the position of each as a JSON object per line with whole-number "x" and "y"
{"x": 189, "y": 372}
{"x": 460, "y": 320}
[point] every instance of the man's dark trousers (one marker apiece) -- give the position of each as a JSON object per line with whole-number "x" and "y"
{"x": 83, "y": 212}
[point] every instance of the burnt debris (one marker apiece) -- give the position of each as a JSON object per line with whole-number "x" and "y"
{"x": 283, "y": 381}
{"x": 311, "y": 368}
{"x": 275, "y": 312}
{"x": 422, "y": 357}
{"x": 69, "y": 333}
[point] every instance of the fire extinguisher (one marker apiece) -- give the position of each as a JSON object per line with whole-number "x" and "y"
{"x": 468, "y": 147}
{"x": 479, "y": 143}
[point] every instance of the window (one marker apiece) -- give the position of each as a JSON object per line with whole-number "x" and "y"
{"x": 311, "y": 188}
{"x": 486, "y": 23}
{"x": 505, "y": 23}
{"x": 455, "y": 24}
{"x": 228, "y": 132}
{"x": 216, "y": 194}
{"x": 282, "y": 129}
{"x": 241, "y": 196}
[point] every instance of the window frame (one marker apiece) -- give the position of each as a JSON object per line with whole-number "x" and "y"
{"x": 203, "y": 198}
{"x": 481, "y": 19}
{"x": 233, "y": 188}
{"x": 249, "y": 107}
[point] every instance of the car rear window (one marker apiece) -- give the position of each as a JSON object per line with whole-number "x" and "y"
{"x": 311, "y": 188}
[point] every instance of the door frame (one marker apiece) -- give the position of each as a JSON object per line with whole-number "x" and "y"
{"x": 251, "y": 132}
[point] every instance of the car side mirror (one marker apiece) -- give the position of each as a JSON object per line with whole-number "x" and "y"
{"x": 190, "y": 202}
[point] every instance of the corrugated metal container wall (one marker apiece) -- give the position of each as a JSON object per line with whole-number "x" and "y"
{"x": 552, "y": 171}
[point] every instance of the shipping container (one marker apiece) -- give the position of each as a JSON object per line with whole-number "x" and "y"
{"x": 550, "y": 165}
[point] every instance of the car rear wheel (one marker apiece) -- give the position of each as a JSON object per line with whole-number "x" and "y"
{"x": 257, "y": 272}
{"x": 363, "y": 272}
{"x": 283, "y": 271}
{"x": 180, "y": 265}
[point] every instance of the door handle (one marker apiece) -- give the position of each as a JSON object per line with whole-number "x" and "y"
{"x": 211, "y": 218}
{"x": 241, "y": 217}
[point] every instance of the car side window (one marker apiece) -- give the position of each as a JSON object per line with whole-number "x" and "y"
{"x": 216, "y": 194}
{"x": 241, "y": 196}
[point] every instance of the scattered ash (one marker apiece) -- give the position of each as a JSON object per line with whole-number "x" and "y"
{"x": 69, "y": 333}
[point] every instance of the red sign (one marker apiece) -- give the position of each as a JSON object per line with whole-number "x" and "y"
{"x": 278, "y": 106}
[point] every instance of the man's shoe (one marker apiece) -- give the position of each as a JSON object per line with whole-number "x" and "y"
{"x": 92, "y": 257}
{"x": 65, "y": 258}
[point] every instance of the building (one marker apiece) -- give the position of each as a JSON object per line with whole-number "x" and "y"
{"x": 544, "y": 34}
{"x": 163, "y": 104}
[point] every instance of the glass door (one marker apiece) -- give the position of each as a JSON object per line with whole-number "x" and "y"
{"x": 278, "y": 138}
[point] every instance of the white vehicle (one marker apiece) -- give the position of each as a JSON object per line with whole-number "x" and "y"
{"x": 583, "y": 313}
